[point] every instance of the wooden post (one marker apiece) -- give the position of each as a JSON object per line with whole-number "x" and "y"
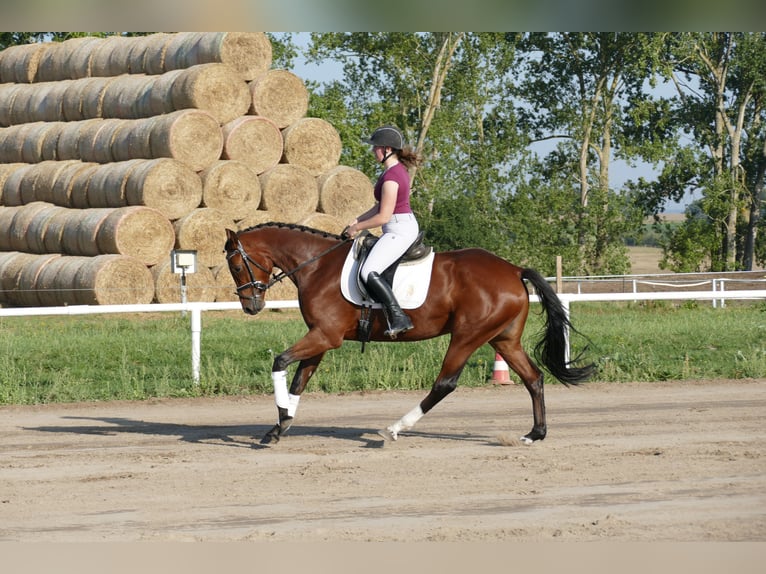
{"x": 559, "y": 284}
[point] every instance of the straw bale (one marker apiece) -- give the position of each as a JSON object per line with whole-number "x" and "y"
{"x": 19, "y": 227}
{"x": 12, "y": 184}
{"x": 165, "y": 184}
{"x": 74, "y": 173}
{"x": 323, "y": 222}
{"x": 284, "y": 290}
{"x": 312, "y": 143}
{"x": 155, "y": 46}
{"x": 159, "y": 99}
{"x": 32, "y": 146}
{"x": 203, "y": 230}
{"x": 27, "y": 294}
{"x": 80, "y": 229}
{"x": 280, "y": 96}
{"x": 215, "y": 88}
{"x": 225, "y": 288}
{"x": 73, "y": 98}
{"x": 19, "y": 63}
{"x": 192, "y": 137}
{"x": 97, "y": 142}
{"x": 38, "y": 228}
{"x": 78, "y": 192}
{"x": 45, "y": 174}
{"x": 8, "y": 94}
{"x": 289, "y": 192}
{"x": 254, "y": 218}
{"x": 92, "y": 100}
{"x": 55, "y": 282}
{"x": 107, "y": 185}
{"x": 254, "y": 140}
{"x": 47, "y": 104}
{"x": 200, "y": 286}
{"x": 49, "y": 150}
{"x": 6, "y": 169}
{"x": 6, "y": 217}
{"x": 77, "y": 64}
{"x": 11, "y": 265}
{"x": 249, "y": 53}
{"x": 179, "y": 53}
{"x": 13, "y": 143}
{"x": 125, "y": 97}
{"x": 68, "y": 143}
{"x": 67, "y": 60}
{"x": 138, "y": 231}
{"x": 344, "y": 193}
{"x": 54, "y": 231}
{"x": 109, "y": 57}
{"x": 133, "y": 140}
{"x": 231, "y": 187}
{"x": 114, "y": 280}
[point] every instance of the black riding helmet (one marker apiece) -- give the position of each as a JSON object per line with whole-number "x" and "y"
{"x": 387, "y": 136}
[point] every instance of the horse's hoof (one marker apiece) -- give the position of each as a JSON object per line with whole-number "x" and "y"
{"x": 526, "y": 440}
{"x": 388, "y": 434}
{"x": 271, "y": 437}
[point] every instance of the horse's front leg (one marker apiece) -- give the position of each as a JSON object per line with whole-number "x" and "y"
{"x": 287, "y": 401}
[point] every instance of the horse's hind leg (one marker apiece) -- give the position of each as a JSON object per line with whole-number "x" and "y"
{"x": 532, "y": 377}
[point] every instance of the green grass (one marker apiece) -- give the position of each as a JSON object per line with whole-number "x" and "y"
{"x": 140, "y": 356}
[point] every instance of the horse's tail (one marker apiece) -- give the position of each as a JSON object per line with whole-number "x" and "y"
{"x": 551, "y": 349}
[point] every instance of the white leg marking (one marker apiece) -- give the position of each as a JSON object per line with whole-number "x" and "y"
{"x": 279, "y": 378}
{"x": 293, "y": 404}
{"x": 405, "y": 423}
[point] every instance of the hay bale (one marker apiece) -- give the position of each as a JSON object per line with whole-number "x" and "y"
{"x": 254, "y": 218}
{"x": 11, "y": 192}
{"x": 192, "y": 137}
{"x": 19, "y": 63}
{"x": 8, "y": 94}
{"x": 225, "y": 288}
{"x": 153, "y": 56}
{"x": 74, "y": 96}
{"x": 109, "y": 57}
{"x": 127, "y": 97}
{"x": 323, "y": 222}
{"x": 54, "y": 231}
{"x": 345, "y": 193}
{"x": 249, "y": 53}
{"x": 200, "y": 286}
{"x": 203, "y": 230}
{"x": 32, "y": 146}
{"x": 284, "y": 290}
{"x": 68, "y": 143}
{"x": 133, "y": 140}
{"x": 74, "y": 173}
{"x": 55, "y": 282}
{"x": 92, "y": 96}
{"x": 27, "y": 293}
{"x": 51, "y": 141}
{"x": 11, "y": 265}
{"x": 254, "y": 140}
{"x": 6, "y": 169}
{"x": 164, "y": 184}
{"x": 38, "y": 185}
{"x": 38, "y": 228}
{"x": 19, "y": 226}
{"x": 44, "y": 103}
{"x": 12, "y": 147}
{"x": 141, "y": 232}
{"x": 280, "y": 96}
{"x": 106, "y": 187}
{"x": 114, "y": 280}
{"x": 289, "y": 192}
{"x": 312, "y": 143}
{"x": 231, "y": 187}
{"x": 80, "y": 229}
{"x": 67, "y": 60}
{"x": 215, "y": 88}
{"x": 96, "y": 141}
{"x": 6, "y": 217}
{"x": 78, "y": 192}
{"x": 159, "y": 100}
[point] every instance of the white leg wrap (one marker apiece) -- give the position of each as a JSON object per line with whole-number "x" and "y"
{"x": 407, "y": 421}
{"x": 293, "y": 404}
{"x": 280, "y": 389}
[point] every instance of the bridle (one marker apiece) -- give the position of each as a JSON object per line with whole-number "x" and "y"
{"x": 260, "y": 285}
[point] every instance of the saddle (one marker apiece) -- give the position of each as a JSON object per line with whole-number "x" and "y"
{"x": 364, "y": 243}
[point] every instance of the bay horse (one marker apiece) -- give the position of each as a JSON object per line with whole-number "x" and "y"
{"x": 474, "y": 296}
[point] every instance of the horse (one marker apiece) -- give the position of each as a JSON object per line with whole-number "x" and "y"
{"x": 474, "y": 296}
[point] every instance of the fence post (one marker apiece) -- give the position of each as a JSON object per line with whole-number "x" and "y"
{"x": 565, "y": 303}
{"x": 196, "y": 336}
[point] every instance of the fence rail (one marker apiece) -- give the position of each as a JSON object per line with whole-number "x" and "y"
{"x": 195, "y": 309}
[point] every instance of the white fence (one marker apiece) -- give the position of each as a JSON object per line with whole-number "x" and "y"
{"x": 195, "y": 309}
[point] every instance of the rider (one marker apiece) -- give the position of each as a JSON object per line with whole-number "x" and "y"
{"x": 392, "y": 212}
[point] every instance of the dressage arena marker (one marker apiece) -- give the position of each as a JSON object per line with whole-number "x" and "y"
{"x": 500, "y": 374}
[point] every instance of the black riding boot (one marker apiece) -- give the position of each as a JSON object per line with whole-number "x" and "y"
{"x": 398, "y": 321}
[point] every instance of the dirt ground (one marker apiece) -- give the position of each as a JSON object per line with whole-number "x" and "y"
{"x": 624, "y": 462}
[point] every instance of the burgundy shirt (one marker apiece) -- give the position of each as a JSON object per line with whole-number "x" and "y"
{"x": 400, "y": 175}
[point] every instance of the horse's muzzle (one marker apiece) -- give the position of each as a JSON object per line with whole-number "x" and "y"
{"x": 252, "y": 305}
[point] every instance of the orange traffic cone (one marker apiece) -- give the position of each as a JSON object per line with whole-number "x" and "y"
{"x": 500, "y": 375}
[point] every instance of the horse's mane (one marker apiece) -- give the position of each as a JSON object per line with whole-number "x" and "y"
{"x": 294, "y": 226}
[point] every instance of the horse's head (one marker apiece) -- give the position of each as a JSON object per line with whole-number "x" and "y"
{"x": 250, "y": 276}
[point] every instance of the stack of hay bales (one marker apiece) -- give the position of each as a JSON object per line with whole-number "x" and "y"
{"x": 115, "y": 151}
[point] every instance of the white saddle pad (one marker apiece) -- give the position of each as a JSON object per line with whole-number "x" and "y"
{"x": 410, "y": 287}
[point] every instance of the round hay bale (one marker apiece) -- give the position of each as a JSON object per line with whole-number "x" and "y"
{"x": 254, "y": 218}
{"x": 225, "y": 288}
{"x": 11, "y": 265}
{"x": 32, "y": 147}
{"x": 167, "y": 185}
{"x": 6, "y": 217}
{"x": 288, "y": 192}
{"x": 51, "y": 141}
{"x": 254, "y": 140}
{"x": 27, "y": 293}
{"x": 280, "y": 96}
{"x": 6, "y": 169}
{"x": 107, "y": 184}
{"x": 12, "y": 184}
{"x": 8, "y": 94}
{"x": 323, "y": 222}
{"x": 141, "y": 232}
{"x": 19, "y": 63}
{"x": 79, "y": 235}
{"x": 249, "y": 53}
{"x": 68, "y": 143}
{"x": 46, "y": 172}
{"x": 179, "y": 53}
{"x": 13, "y": 143}
{"x": 108, "y": 58}
{"x": 284, "y": 290}
{"x": 159, "y": 99}
{"x": 77, "y": 64}
{"x": 200, "y": 286}
{"x": 78, "y": 192}
{"x": 97, "y": 143}
{"x": 57, "y": 62}
{"x": 216, "y": 88}
{"x": 92, "y": 103}
{"x": 132, "y": 140}
{"x": 19, "y": 228}
{"x": 203, "y": 230}
{"x": 18, "y": 109}
{"x": 49, "y": 103}
{"x": 123, "y": 96}
{"x": 231, "y": 187}
{"x": 74, "y": 173}
{"x": 344, "y": 193}
{"x": 55, "y": 282}
{"x": 192, "y": 137}
{"x": 312, "y": 143}
{"x": 155, "y": 47}
{"x": 54, "y": 231}
{"x": 38, "y": 227}
{"x": 114, "y": 280}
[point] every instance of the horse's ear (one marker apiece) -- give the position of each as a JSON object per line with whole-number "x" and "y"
{"x": 231, "y": 235}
